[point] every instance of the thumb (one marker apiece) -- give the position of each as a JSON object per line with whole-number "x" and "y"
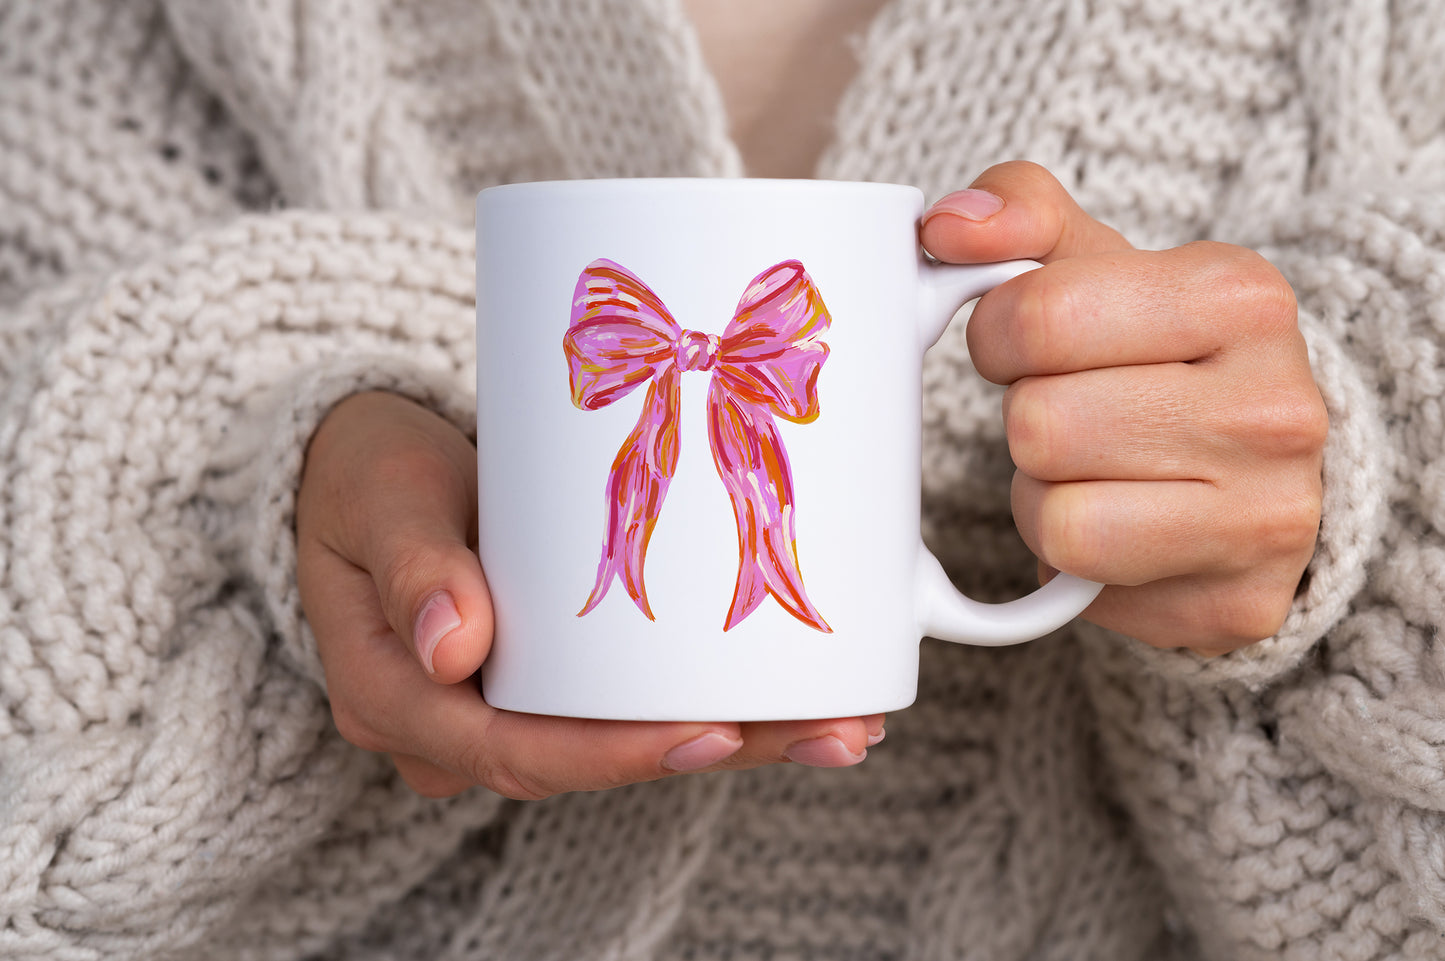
{"x": 435, "y": 597}
{"x": 1015, "y": 210}
{"x": 405, "y": 494}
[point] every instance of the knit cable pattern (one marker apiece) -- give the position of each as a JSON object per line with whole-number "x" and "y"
{"x": 162, "y": 763}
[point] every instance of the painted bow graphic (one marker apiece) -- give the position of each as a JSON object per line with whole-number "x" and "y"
{"x": 765, "y": 363}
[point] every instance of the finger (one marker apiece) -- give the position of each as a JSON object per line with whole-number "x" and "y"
{"x": 382, "y": 701}
{"x": 1129, "y": 308}
{"x": 1162, "y": 421}
{"x": 1135, "y": 532}
{"x": 429, "y": 579}
{"x": 1014, "y": 210}
{"x": 533, "y": 756}
{"x": 405, "y": 512}
{"x": 378, "y": 692}
{"x": 1210, "y": 616}
{"x": 830, "y": 743}
{"x": 835, "y": 742}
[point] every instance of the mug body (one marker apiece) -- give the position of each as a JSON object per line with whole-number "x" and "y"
{"x": 561, "y": 499}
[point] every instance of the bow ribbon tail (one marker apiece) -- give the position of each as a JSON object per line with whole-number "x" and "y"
{"x": 753, "y": 464}
{"x": 636, "y": 487}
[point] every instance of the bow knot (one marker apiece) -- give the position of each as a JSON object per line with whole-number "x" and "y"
{"x": 765, "y": 363}
{"x": 697, "y": 351}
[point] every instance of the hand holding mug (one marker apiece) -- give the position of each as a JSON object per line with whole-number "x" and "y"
{"x": 1161, "y": 412}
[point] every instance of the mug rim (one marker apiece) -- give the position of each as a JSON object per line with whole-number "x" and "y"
{"x": 752, "y": 184}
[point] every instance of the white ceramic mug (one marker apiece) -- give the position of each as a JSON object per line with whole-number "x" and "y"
{"x": 699, "y": 457}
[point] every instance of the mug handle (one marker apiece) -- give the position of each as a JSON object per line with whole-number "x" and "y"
{"x": 943, "y": 611}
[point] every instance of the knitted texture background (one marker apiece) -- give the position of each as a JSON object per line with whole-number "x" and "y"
{"x": 219, "y": 217}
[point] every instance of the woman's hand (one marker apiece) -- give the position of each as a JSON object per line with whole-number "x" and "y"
{"x": 393, "y": 590}
{"x": 1161, "y": 412}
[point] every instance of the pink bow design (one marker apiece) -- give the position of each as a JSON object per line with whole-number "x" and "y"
{"x": 765, "y": 363}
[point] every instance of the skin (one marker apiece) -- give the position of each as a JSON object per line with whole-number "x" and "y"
{"x": 781, "y": 69}
{"x": 1160, "y": 409}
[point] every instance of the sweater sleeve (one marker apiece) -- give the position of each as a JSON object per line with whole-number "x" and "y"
{"x": 1372, "y": 709}
{"x": 168, "y": 767}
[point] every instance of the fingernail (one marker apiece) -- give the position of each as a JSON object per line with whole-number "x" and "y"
{"x": 970, "y": 204}
{"x": 873, "y": 724}
{"x": 825, "y": 751}
{"x": 700, "y": 752}
{"x": 437, "y": 619}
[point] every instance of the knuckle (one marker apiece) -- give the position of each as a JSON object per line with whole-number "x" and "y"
{"x": 406, "y": 576}
{"x": 1042, "y": 333}
{"x": 1024, "y": 178}
{"x": 1068, "y": 532}
{"x": 1031, "y": 424}
{"x": 1015, "y": 170}
{"x": 498, "y": 775}
{"x": 1280, "y": 424}
{"x": 1253, "y": 615}
{"x": 1262, "y": 297}
{"x": 504, "y": 779}
{"x": 1296, "y": 423}
{"x": 1290, "y": 524}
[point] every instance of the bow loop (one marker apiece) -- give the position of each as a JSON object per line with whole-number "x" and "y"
{"x": 772, "y": 350}
{"x": 620, "y": 335}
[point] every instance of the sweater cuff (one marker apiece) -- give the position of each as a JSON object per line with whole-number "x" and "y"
{"x": 1357, "y": 472}
{"x": 268, "y": 553}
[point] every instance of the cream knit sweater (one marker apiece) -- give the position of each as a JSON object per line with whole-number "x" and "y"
{"x": 217, "y": 217}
